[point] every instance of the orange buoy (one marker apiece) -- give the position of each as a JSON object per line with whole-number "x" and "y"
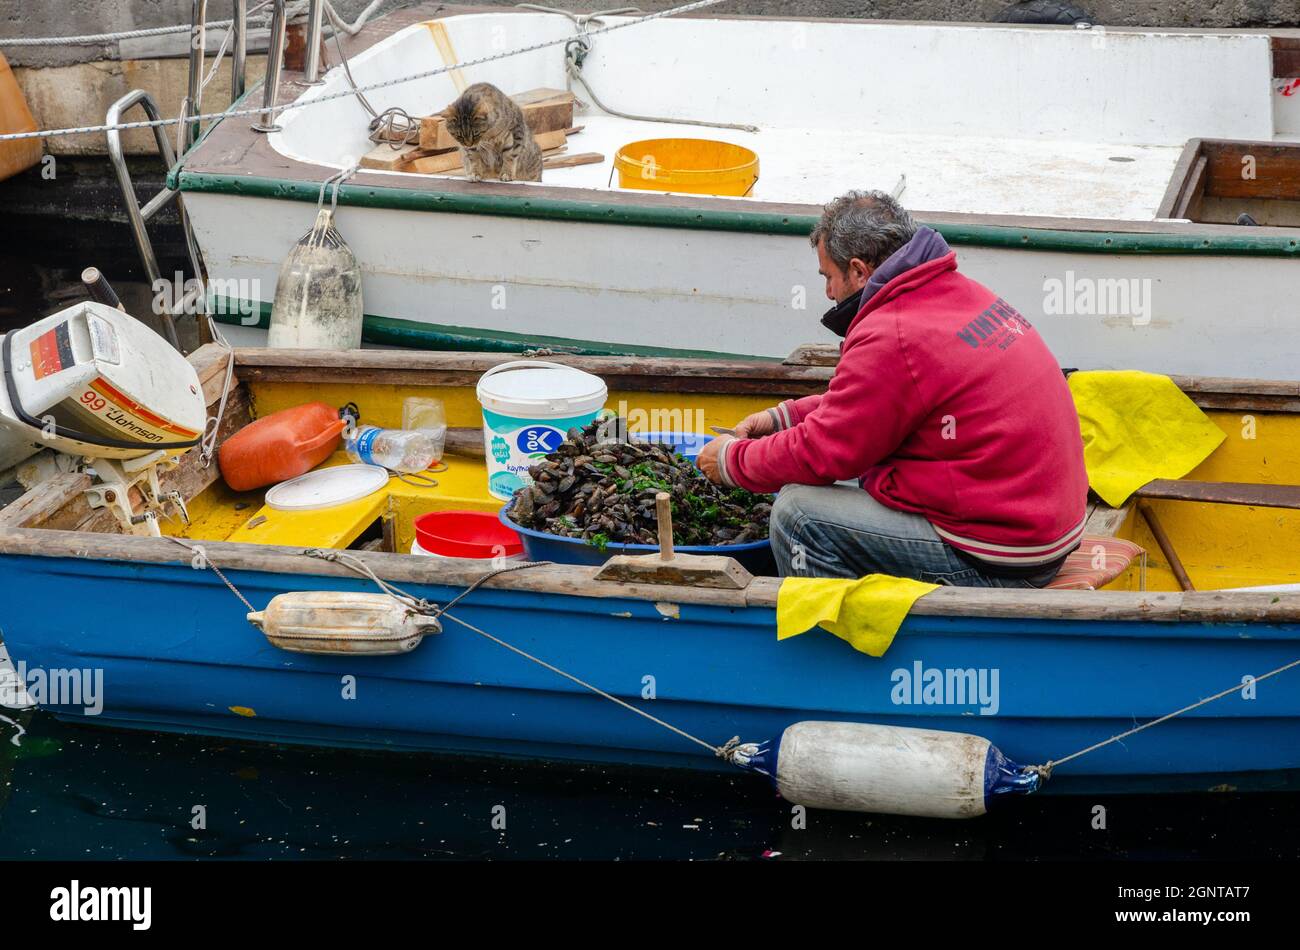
{"x": 280, "y": 446}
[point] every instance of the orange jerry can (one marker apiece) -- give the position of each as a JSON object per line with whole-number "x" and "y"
{"x": 280, "y": 446}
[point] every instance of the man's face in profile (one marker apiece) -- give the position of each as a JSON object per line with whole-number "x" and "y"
{"x": 841, "y": 283}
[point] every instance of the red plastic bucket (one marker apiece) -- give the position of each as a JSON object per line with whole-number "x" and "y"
{"x": 472, "y": 534}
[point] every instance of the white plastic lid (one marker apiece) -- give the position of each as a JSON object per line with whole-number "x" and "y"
{"x": 529, "y": 387}
{"x": 327, "y": 487}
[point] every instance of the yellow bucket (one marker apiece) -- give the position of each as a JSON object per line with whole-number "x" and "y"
{"x": 693, "y": 166}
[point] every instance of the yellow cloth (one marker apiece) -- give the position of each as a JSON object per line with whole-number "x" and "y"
{"x": 866, "y": 612}
{"x": 1136, "y": 427}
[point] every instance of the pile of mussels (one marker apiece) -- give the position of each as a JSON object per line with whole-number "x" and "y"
{"x": 600, "y": 485}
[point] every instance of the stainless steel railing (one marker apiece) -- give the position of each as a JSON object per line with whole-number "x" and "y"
{"x": 315, "y": 27}
{"x": 274, "y": 66}
{"x": 239, "y": 50}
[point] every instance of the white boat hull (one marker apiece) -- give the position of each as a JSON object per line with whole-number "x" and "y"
{"x": 621, "y": 288}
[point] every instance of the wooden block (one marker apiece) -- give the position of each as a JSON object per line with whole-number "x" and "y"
{"x": 450, "y": 162}
{"x": 434, "y": 134}
{"x": 708, "y": 570}
{"x": 569, "y": 161}
{"x": 549, "y": 140}
{"x": 814, "y": 354}
{"x": 545, "y": 110}
{"x": 384, "y": 157}
{"x": 445, "y": 161}
{"x": 540, "y": 95}
{"x": 669, "y": 567}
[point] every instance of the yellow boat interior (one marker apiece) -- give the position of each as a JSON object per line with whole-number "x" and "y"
{"x": 1220, "y": 545}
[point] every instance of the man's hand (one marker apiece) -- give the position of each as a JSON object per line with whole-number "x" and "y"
{"x": 707, "y": 460}
{"x": 756, "y": 425}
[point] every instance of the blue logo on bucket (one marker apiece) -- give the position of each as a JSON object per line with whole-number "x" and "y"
{"x": 504, "y": 484}
{"x": 542, "y": 440}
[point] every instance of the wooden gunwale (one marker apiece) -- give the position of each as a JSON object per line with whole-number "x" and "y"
{"x": 572, "y": 580}
{"x": 427, "y": 368}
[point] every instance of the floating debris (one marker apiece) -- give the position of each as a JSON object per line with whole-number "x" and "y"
{"x": 600, "y": 485}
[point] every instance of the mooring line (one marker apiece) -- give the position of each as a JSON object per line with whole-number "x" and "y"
{"x": 725, "y": 751}
{"x": 1045, "y": 770}
{"x": 355, "y": 564}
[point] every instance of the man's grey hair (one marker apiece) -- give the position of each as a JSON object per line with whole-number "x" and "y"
{"x": 869, "y": 225}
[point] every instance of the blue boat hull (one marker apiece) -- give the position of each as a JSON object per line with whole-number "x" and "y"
{"x": 177, "y": 654}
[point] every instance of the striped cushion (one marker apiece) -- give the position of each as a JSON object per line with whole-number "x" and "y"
{"x": 1081, "y": 570}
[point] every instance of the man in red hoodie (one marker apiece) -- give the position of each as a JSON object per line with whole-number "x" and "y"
{"x": 946, "y": 447}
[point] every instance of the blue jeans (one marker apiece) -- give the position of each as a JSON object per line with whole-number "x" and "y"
{"x": 841, "y": 531}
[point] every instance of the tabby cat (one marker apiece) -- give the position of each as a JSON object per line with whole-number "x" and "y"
{"x": 494, "y": 139}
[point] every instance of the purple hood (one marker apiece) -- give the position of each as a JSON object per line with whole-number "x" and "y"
{"x": 926, "y": 245}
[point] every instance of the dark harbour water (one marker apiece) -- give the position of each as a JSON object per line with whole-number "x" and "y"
{"x": 79, "y": 793}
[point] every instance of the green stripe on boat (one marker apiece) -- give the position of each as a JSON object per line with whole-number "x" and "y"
{"x": 390, "y": 331}
{"x": 977, "y": 235}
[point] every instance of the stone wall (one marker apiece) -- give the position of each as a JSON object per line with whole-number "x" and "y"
{"x": 77, "y": 17}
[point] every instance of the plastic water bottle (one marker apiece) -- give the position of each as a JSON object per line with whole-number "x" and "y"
{"x": 399, "y": 450}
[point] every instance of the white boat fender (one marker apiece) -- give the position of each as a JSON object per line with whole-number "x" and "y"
{"x": 332, "y": 622}
{"x": 893, "y": 770}
{"x": 318, "y": 300}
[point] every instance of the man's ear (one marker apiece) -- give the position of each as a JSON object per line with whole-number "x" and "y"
{"x": 859, "y": 272}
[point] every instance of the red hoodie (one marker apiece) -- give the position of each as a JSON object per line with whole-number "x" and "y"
{"x": 946, "y": 402}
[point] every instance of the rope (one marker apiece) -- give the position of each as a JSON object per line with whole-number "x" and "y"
{"x": 302, "y": 103}
{"x": 1046, "y": 769}
{"x": 577, "y": 50}
{"x": 208, "y": 443}
{"x": 195, "y": 549}
{"x": 93, "y": 38}
{"x": 725, "y": 751}
{"x": 359, "y": 566}
{"x": 352, "y": 29}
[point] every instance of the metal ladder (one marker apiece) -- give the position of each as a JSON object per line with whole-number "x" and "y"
{"x": 140, "y": 215}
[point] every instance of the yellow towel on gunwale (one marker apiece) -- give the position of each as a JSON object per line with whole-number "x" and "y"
{"x": 866, "y": 612}
{"x": 1136, "y": 427}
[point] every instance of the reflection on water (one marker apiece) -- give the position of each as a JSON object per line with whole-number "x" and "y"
{"x": 71, "y": 792}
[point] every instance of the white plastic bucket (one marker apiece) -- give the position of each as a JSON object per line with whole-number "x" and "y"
{"x": 528, "y": 406}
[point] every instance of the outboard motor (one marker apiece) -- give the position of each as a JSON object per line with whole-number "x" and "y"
{"x": 92, "y": 382}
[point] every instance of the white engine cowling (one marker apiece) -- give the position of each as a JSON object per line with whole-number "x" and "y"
{"x": 93, "y": 381}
